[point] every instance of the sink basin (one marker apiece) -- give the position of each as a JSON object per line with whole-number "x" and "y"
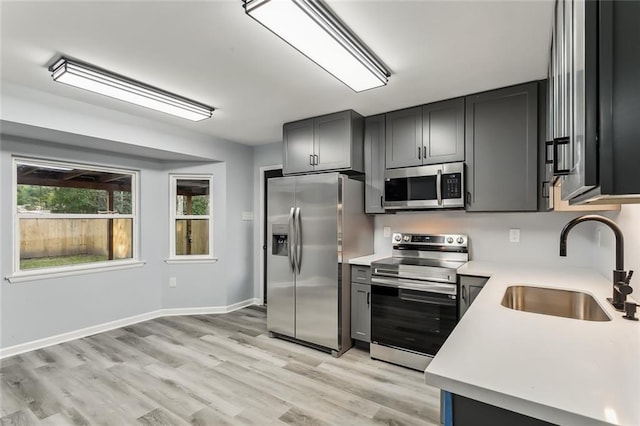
{"x": 549, "y": 301}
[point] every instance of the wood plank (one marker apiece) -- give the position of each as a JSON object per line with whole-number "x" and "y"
{"x": 207, "y": 369}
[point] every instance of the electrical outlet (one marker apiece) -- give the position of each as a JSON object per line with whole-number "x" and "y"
{"x": 247, "y": 215}
{"x": 386, "y": 231}
{"x": 514, "y": 235}
{"x": 173, "y": 282}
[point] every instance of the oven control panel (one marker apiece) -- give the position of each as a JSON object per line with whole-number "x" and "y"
{"x": 455, "y": 240}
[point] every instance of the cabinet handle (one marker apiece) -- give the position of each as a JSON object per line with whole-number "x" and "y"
{"x": 545, "y": 189}
{"x": 464, "y": 293}
{"x": 468, "y": 198}
{"x": 424, "y": 152}
{"x": 311, "y": 159}
{"x": 368, "y": 298}
{"x": 381, "y": 205}
{"x": 419, "y": 153}
{"x": 548, "y": 152}
{"x": 317, "y": 159}
{"x": 557, "y": 142}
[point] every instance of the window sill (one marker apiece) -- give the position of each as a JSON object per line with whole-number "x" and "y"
{"x": 190, "y": 261}
{"x": 23, "y": 276}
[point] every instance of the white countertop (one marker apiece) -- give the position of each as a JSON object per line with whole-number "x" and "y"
{"x": 561, "y": 370}
{"x": 366, "y": 260}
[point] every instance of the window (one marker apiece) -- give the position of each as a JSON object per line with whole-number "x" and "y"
{"x": 71, "y": 216}
{"x": 191, "y": 217}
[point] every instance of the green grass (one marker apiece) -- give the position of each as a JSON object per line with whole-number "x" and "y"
{"x": 49, "y": 262}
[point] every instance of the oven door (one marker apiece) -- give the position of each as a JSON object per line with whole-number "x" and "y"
{"x": 410, "y": 319}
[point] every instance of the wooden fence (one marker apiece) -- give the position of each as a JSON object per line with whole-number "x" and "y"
{"x": 65, "y": 237}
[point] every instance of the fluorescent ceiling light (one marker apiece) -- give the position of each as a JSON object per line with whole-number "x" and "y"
{"x": 311, "y": 28}
{"x": 106, "y": 83}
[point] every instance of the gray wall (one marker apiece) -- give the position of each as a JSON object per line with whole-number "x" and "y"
{"x": 43, "y": 308}
{"x": 263, "y": 155}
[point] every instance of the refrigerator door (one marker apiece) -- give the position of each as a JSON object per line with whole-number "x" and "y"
{"x": 317, "y": 285}
{"x": 280, "y": 261}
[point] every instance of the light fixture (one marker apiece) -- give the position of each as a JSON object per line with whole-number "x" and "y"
{"x": 94, "y": 79}
{"x": 311, "y": 28}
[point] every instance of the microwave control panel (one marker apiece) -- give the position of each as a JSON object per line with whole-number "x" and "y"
{"x": 452, "y": 185}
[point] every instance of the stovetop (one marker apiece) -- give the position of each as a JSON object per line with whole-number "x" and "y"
{"x": 420, "y": 262}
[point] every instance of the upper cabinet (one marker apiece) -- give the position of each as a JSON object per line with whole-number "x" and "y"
{"x": 429, "y": 134}
{"x": 501, "y": 149}
{"x": 332, "y": 142}
{"x": 594, "y": 108}
{"x": 374, "y": 137}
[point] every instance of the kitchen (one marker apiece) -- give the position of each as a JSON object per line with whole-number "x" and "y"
{"x": 86, "y": 129}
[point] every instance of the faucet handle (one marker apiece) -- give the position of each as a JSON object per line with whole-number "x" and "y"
{"x": 628, "y": 279}
{"x": 630, "y": 311}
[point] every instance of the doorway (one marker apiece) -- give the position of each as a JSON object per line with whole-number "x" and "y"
{"x": 268, "y": 174}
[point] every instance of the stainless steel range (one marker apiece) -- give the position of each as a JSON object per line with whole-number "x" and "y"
{"x": 414, "y": 303}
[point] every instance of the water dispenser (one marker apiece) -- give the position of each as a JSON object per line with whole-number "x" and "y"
{"x": 280, "y": 240}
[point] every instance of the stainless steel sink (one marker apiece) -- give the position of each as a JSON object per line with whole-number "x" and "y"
{"x": 549, "y": 301}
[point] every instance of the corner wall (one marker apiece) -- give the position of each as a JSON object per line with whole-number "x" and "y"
{"x": 44, "y": 308}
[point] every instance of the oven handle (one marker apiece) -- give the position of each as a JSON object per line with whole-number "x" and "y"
{"x": 426, "y": 300}
{"x": 426, "y": 286}
{"x": 393, "y": 273}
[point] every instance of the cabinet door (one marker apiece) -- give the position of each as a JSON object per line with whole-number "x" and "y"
{"x": 297, "y": 147}
{"x": 470, "y": 287}
{"x": 403, "y": 144}
{"x": 443, "y": 132}
{"x": 332, "y": 141}
{"x": 501, "y": 149}
{"x": 374, "y": 135}
{"x": 361, "y": 312}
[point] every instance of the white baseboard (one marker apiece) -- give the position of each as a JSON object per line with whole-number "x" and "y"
{"x": 100, "y": 328}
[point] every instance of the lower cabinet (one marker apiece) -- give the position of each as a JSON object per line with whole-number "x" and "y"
{"x": 360, "y": 303}
{"x": 469, "y": 412}
{"x": 470, "y": 287}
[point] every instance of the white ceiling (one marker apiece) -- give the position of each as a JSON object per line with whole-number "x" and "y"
{"x": 212, "y": 52}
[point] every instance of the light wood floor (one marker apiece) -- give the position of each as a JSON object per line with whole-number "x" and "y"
{"x": 207, "y": 370}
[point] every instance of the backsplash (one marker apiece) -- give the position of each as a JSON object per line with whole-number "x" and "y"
{"x": 628, "y": 219}
{"x": 489, "y": 235}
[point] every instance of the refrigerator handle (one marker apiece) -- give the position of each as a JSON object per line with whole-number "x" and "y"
{"x": 298, "y": 224}
{"x": 291, "y": 239}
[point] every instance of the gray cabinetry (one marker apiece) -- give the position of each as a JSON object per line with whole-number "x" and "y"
{"x": 595, "y": 103}
{"x": 501, "y": 149}
{"x": 297, "y": 140}
{"x": 443, "y": 132}
{"x": 470, "y": 287}
{"x": 361, "y": 303}
{"x": 404, "y": 138}
{"x": 374, "y": 137}
{"x": 329, "y": 142}
{"x": 429, "y": 134}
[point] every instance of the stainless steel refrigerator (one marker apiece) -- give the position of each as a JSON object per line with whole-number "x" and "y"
{"x": 316, "y": 223}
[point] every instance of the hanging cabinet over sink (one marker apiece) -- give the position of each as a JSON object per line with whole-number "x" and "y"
{"x": 594, "y": 108}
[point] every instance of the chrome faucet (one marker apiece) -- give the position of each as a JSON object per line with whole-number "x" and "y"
{"x": 621, "y": 279}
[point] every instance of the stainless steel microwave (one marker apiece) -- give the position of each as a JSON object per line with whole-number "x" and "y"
{"x": 437, "y": 186}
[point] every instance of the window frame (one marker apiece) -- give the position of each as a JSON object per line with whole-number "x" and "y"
{"x": 18, "y": 275}
{"x": 173, "y": 216}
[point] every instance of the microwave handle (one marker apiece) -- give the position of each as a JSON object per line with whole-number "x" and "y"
{"x": 439, "y": 187}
